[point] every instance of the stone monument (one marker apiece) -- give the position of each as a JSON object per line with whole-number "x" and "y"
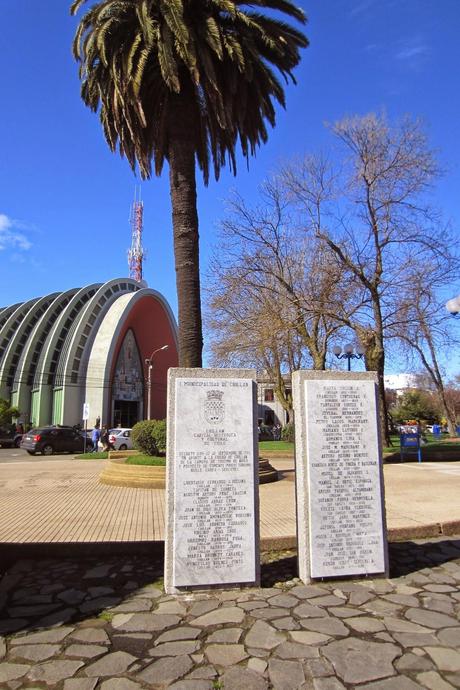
{"x": 212, "y": 507}
{"x": 339, "y": 479}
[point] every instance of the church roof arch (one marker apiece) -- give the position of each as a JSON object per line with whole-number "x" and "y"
{"x": 11, "y": 323}
{"x": 5, "y": 313}
{"x": 109, "y": 339}
{"x": 29, "y": 359}
{"x": 76, "y": 348}
{"x": 51, "y": 352}
{"x": 17, "y": 333}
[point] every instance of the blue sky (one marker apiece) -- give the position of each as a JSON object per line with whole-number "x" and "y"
{"x": 65, "y": 199}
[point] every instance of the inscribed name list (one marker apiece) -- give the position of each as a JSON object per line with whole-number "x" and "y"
{"x": 214, "y": 521}
{"x": 345, "y": 507}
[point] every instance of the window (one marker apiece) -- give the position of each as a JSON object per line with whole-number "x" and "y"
{"x": 269, "y": 395}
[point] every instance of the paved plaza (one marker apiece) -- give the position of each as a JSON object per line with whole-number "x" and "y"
{"x": 102, "y": 621}
{"x": 54, "y": 501}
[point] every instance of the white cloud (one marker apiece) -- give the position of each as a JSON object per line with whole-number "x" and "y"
{"x": 10, "y": 238}
{"x": 5, "y": 222}
{"x": 413, "y": 51}
{"x": 361, "y": 7}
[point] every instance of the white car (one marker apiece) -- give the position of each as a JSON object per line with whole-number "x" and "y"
{"x": 120, "y": 439}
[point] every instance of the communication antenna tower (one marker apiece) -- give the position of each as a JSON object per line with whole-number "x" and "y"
{"x": 136, "y": 253}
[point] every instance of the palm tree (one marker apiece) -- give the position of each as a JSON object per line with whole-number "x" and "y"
{"x": 182, "y": 80}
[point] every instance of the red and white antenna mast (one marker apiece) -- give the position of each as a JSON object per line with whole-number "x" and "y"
{"x": 136, "y": 253}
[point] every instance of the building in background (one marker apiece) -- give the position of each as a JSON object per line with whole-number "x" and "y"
{"x": 87, "y": 345}
{"x": 270, "y": 411}
{"x": 400, "y": 382}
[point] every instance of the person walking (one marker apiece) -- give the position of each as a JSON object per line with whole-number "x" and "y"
{"x": 95, "y": 436}
{"x": 105, "y": 439}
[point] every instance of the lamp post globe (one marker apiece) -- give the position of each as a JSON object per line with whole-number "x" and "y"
{"x": 453, "y": 305}
{"x": 349, "y": 353}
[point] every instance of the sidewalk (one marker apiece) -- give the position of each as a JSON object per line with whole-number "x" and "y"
{"x": 56, "y": 502}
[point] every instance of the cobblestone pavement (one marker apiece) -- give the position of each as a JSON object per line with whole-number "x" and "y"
{"x": 106, "y": 624}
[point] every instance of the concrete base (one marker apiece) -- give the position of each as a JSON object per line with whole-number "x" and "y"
{"x": 267, "y": 473}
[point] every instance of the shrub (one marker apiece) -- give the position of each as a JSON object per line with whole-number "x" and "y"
{"x": 149, "y": 436}
{"x": 287, "y": 433}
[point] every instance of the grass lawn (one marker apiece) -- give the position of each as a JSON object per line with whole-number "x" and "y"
{"x": 146, "y": 460}
{"x": 276, "y": 445}
{"x": 431, "y": 442}
{"x": 93, "y": 456}
{"x": 131, "y": 460}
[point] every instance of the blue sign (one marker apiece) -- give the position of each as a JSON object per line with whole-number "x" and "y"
{"x": 410, "y": 443}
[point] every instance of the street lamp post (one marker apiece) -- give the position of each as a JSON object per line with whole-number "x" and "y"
{"x": 149, "y": 363}
{"x": 348, "y": 353}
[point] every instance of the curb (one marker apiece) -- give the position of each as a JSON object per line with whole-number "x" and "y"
{"x": 13, "y": 551}
{"x": 394, "y": 534}
{"x": 435, "y": 529}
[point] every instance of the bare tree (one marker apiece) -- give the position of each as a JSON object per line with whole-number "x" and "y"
{"x": 452, "y": 394}
{"x": 247, "y": 329}
{"x": 262, "y": 249}
{"x": 425, "y": 330}
{"x": 271, "y": 289}
{"x": 372, "y": 213}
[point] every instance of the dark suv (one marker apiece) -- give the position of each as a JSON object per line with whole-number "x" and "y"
{"x": 54, "y": 439}
{"x": 9, "y": 437}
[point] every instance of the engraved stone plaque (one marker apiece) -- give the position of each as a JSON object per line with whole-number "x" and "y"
{"x": 212, "y": 512}
{"x": 339, "y": 476}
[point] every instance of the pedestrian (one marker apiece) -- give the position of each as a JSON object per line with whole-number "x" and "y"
{"x": 95, "y": 436}
{"x": 105, "y": 439}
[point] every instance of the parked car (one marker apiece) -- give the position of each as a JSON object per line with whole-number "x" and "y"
{"x": 120, "y": 439}
{"x": 9, "y": 437}
{"x": 408, "y": 429}
{"x": 54, "y": 439}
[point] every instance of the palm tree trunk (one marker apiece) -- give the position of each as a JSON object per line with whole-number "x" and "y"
{"x": 186, "y": 238}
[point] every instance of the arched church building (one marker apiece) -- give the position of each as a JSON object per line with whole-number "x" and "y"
{"x": 88, "y": 345}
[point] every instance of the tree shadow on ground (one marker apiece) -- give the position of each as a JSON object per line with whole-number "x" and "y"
{"x": 405, "y": 558}
{"x": 411, "y": 556}
{"x": 51, "y": 585}
{"x": 48, "y": 585}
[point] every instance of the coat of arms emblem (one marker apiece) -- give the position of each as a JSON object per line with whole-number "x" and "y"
{"x": 214, "y": 407}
